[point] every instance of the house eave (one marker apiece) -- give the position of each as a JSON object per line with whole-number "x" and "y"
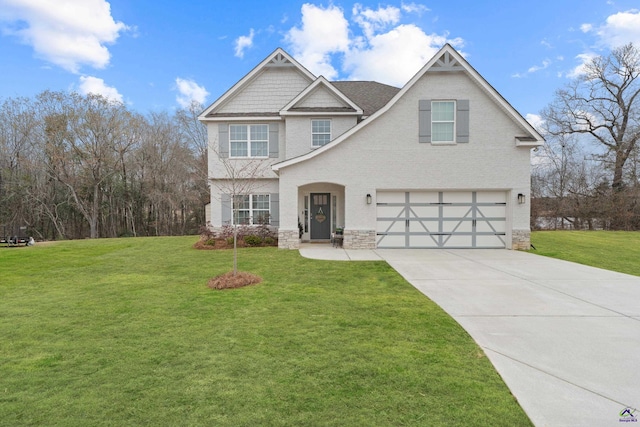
{"x": 528, "y": 141}
{"x": 242, "y": 117}
{"x": 321, "y": 112}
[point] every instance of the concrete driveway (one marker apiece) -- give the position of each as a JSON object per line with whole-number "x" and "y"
{"x": 564, "y": 337}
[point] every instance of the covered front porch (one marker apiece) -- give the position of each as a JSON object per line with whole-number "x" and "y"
{"x": 321, "y": 211}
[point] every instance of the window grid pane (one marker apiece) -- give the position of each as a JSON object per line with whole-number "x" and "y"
{"x": 320, "y": 139}
{"x": 442, "y": 132}
{"x": 238, "y": 149}
{"x": 259, "y": 149}
{"x": 259, "y": 132}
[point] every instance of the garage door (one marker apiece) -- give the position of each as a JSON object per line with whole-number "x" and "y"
{"x": 441, "y": 219}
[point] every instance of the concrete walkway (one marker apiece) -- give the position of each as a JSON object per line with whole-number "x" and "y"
{"x": 564, "y": 337}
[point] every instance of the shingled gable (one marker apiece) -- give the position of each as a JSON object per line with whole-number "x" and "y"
{"x": 277, "y": 59}
{"x": 447, "y": 59}
{"x": 338, "y": 103}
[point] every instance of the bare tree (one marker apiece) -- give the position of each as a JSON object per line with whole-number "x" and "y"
{"x": 603, "y": 104}
{"x": 194, "y": 136}
{"x": 83, "y": 135}
{"x": 73, "y": 166}
{"x": 240, "y": 178}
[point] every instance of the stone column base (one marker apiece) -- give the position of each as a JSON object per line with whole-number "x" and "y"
{"x": 359, "y": 239}
{"x": 521, "y": 240}
{"x": 288, "y": 239}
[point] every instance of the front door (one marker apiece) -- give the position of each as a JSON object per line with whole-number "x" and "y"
{"x": 320, "y": 216}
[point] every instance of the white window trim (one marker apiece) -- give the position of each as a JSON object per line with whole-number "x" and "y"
{"x": 453, "y": 141}
{"x": 322, "y": 133}
{"x": 248, "y": 156}
{"x": 251, "y": 209}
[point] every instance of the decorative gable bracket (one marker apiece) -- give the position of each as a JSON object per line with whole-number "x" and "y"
{"x": 446, "y": 62}
{"x": 279, "y": 60}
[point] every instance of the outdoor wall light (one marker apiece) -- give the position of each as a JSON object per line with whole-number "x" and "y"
{"x": 368, "y": 199}
{"x": 521, "y": 198}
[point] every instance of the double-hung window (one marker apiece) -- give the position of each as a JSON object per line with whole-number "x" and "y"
{"x": 251, "y": 209}
{"x": 249, "y": 140}
{"x": 443, "y": 116}
{"x": 320, "y": 132}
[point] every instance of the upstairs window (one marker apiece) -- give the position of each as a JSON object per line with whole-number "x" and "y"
{"x": 443, "y": 115}
{"x": 443, "y": 121}
{"x": 249, "y": 140}
{"x": 320, "y": 132}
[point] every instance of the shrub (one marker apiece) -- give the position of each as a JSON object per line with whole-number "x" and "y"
{"x": 253, "y": 240}
{"x": 206, "y": 233}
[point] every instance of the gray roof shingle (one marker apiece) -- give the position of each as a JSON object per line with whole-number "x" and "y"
{"x": 370, "y": 96}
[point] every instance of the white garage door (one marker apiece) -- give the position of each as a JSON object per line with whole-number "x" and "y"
{"x": 441, "y": 219}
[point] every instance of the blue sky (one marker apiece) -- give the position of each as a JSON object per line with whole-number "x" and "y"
{"x": 157, "y": 56}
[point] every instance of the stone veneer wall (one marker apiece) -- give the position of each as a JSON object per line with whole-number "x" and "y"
{"x": 521, "y": 240}
{"x": 288, "y": 239}
{"x": 359, "y": 239}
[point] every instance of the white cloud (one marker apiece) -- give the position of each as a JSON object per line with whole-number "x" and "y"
{"x": 372, "y": 21}
{"x": 620, "y": 29}
{"x": 386, "y": 50}
{"x": 584, "y": 59}
{"x": 395, "y": 56}
{"x": 536, "y": 121}
{"x": 69, "y": 33}
{"x": 95, "y": 85}
{"x": 189, "y": 91}
{"x": 324, "y": 31}
{"x": 414, "y": 8}
{"x": 533, "y": 69}
{"x": 536, "y": 68}
{"x": 585, "y": 28}
{"x": 243, "y": 43}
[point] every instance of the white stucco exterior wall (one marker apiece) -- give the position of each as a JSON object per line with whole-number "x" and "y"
{"x": 386, "y": 154}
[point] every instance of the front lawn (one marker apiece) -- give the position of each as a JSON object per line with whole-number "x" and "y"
{"x": 611, "y": 250}
{"x": 125, "y": 332}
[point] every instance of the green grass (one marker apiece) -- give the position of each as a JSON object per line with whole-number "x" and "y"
{"x": 611, "y": 250}
{"x": 124, "y": 332}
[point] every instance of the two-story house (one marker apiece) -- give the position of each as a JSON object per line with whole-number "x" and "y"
{"x": 443, "y": 162}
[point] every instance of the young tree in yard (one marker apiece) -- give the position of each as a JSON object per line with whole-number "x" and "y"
{"x": 603, "y": 104}
{"x": 241, "y": 178}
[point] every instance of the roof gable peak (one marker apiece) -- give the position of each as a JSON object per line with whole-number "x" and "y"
{"x": 322, "y": 82}
{"x": 278, "y": 58}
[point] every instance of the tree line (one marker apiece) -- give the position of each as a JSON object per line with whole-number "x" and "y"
{"x": 75, "y": 166}
{"x": 587, "y": 175}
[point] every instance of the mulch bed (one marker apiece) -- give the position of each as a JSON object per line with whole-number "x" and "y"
{"x": 232, "y": 281}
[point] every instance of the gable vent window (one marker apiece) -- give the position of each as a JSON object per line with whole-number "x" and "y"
{"x": 320, "y": 132}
